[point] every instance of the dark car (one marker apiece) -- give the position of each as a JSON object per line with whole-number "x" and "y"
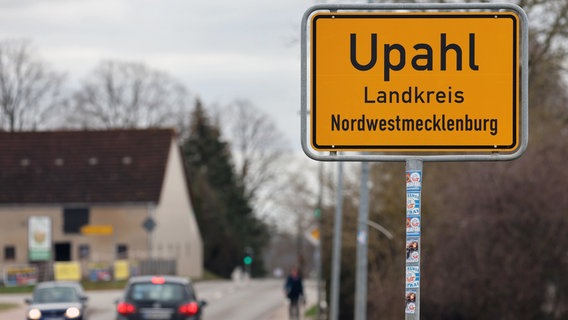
{"x": 57, "y": 300}
{"x": 159, "y": 298}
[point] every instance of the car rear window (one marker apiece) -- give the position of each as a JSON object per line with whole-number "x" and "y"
{"x": 166, "y": 292}
{"x": 55, "y": 294}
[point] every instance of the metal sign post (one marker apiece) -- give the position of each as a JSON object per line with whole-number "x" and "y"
{"x": 362, "y": 246}
{"x": 413, "y": 222}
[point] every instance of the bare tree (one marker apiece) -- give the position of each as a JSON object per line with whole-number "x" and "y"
{"x": 29, "y": 90}
{"x": 296, "y": 216}
{"x": 548, "y": 62}
{"x": 258, "y": 147}
{"x": 129, "y": 95}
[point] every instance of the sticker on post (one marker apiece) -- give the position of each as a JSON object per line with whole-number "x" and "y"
{"x": 410, "y": 302}
{"x": 413, "y": 203}
{"x": 413, "y": 226}
{"x": 413, "y": 180}
{"x": 412, "y": 277}
{"x": 362, "y": 237}
{"x": 412, "y": 250}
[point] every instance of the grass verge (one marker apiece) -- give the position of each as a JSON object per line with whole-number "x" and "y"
{"x": 100, "y": 285}
{"x": 311, "y": 312}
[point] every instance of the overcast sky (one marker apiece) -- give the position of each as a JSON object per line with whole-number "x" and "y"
{"x": 221, "y": 50}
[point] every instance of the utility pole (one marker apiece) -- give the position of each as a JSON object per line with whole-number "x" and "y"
{"x": 318, "y": 247}
{"x": 362, "y": 239}
{"x": 336, "y": 254}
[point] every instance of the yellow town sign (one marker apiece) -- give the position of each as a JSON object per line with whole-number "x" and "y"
{"x": 427, "y": 82}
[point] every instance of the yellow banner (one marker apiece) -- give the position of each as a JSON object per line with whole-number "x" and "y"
{"x": 121, "y": 270}
{"x": 70, "y": 271}
{"x": 97, "y": 229}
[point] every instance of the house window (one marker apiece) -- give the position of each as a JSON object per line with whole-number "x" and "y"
{"x": 74, "y": 219}
{"x": 84, "y": 251}
{"x": 9, "y": 253}
{"x": 122, "y": 251}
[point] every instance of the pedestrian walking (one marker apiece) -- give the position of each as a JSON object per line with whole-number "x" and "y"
{"x": 294, "y": 290}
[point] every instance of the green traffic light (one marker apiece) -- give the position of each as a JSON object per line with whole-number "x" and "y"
{"x": 317, "y": 212}
{"x": 247, "y": 260}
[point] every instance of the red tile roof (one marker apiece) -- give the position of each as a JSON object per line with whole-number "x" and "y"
{"x": 64, "y": 167}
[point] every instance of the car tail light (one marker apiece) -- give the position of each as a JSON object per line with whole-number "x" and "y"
{"x": 189, "y": 309}
{"x": 125, "y": 308}
{"x": 158, "y": 280}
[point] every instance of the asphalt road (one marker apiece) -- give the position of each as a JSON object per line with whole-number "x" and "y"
{"x": 244, "y": 300}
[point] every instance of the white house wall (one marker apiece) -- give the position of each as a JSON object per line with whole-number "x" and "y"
{"x": 177, "y": 233}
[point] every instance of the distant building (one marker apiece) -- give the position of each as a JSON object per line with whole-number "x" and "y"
{"x": 130, "y": 181}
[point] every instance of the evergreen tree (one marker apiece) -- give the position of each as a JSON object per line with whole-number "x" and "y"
{"x": 225, "y": 217}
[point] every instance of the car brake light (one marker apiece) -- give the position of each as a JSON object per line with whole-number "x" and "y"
{"x": 125, "y": 308}
{"x": 158, "y": 280}
{"x": 189, "y": 309}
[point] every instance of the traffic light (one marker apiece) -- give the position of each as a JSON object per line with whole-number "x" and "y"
{"x": 247, "y": 260}
{"x": 317, "y": 213}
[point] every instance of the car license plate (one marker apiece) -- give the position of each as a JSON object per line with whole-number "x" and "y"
{"x": 157, "y": 314}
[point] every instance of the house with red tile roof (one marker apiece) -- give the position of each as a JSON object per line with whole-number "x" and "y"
{"x": 96, "y": 196}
